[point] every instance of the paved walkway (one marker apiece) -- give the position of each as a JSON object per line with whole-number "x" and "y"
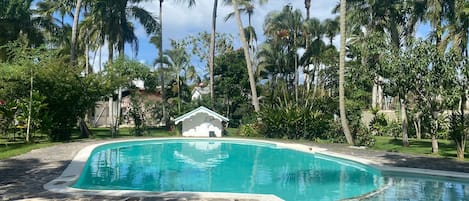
{"x": 23, "y": 177}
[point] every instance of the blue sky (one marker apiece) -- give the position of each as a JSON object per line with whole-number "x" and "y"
{"x": 180, "y": 22}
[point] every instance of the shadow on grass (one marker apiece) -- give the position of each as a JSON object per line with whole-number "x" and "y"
{"x": 446, "y": 148}
{"x": 427, "y": 162}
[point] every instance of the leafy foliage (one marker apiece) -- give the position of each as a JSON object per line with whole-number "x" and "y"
{"x": 292, "y": 121}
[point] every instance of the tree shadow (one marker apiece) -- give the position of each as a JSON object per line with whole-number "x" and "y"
{"x": 434, "y": 163}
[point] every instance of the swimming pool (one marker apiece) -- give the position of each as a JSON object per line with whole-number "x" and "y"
{"x": 225, "y": 166}
{"x": 392, "y": 183}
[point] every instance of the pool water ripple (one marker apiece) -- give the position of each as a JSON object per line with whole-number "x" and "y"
{"x": 225, "y": 166}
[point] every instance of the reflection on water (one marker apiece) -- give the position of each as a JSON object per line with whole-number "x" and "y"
{"x": 201, "y": 155}
{"x": 218, "y": 166}
{"x": 422, "y": 189}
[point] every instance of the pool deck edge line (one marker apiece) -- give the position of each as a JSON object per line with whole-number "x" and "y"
{"x": 70, "y": 175}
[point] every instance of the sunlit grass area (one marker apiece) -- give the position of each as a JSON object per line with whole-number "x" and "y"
{"x": 447, "y": 148}
{"x": 15, "y": 145}
{"x": 8, "y": 150}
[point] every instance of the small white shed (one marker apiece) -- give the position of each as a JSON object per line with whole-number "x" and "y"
{"x": 201, "y": 122}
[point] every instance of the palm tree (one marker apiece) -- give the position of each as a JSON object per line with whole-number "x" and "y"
{"x": 17, "y": 21}
{"x": 212, "y": 48}
{"x": 313, "y": 34}
{"x": 331, "y": 29}
{"x": 307, "y": 7}
{"x": 252, "y": 81}
{"x": 160, "y": 47}
{"x": 289, "y": 22}
{"x": 113, "y": 17}
{"x": 73, "y": 42}
{"x": 178, "y": 59}
{"x": 343, "y": 118}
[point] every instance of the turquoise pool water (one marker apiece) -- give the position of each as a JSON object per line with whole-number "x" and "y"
{"x": 225, "y": 166}
{"x": 404, "y": 186}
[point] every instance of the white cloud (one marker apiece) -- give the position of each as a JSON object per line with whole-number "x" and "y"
{"x": 179, "y": 21}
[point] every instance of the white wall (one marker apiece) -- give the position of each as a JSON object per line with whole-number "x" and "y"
{"x": 200, "y": 125}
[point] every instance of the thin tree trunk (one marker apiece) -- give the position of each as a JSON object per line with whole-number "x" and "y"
{"x": 343, "y": 118}
{"x": 212, "y": 49}
{"x": 110, "y": 48}
{"x": 111, "y": 115}
{"x": 255, "y": 100}
{"x": 87, "y": 58}
{"x": 73, "y": 45}
{"x": 374, "y": 93}
{"x": 405, "y": 138}
{"x": 460, "y": 149}
{"x": 379, "y": 101}
{"x": 119, "y": 109}
{"x": 417, "y": 126}
{"x": 161, "y": 63}
{"x": 30, "y": 107}
{"x": 100, "y": 58}
{"x": 178, "y": 80}
{"x": 434, "y": 144}
{"x": 461, "y": 143}
{"x": 297, "y": 78}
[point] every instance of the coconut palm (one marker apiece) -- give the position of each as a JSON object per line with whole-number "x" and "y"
{"x": 307, "y": 7}
{"x": 177, "y": 59}
{"x": 252, "y": 80}
{"x": 343, "y": 118}
{"x": 17, "y": 20}
{"x": 289, "y": 22}
{"x": 160, "y": 47}
{"x": 212, "y": 48}
{"x": 331, "y": 29}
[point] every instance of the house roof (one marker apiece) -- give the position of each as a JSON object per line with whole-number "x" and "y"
{"x": 199, "y": 110}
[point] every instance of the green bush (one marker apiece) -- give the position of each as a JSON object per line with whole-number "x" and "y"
{"x": 363, "y": 136}
{"x": 295, "y": 121}
{"x": 249, "y": 130}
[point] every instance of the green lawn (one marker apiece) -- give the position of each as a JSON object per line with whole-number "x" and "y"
{"x": 10, "y": 148}
{"x": 14, "y": 149}
{"x": 446, "y": 147}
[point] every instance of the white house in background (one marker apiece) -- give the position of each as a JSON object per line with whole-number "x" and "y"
{"x": 201, "y": 122}
{"x": 200, "y": 90}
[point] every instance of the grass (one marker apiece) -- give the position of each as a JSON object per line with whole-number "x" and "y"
{"x": 17, "y": 146}
{"x": 446, "y": 148}
{"x": 10, "y": 150}
{"x": 105, "y": 133}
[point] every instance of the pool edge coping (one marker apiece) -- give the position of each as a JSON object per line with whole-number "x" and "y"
{"x": 72, "y": 172}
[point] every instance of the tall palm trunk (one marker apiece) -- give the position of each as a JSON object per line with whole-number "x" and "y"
{"x": 343, "y": 118}
{"x": 161, "y": 62}
{"x": 307, "y": 7}
{"x": 252, "y": 82}
{"x": 73, "y": 45}
{"x": 212, "y": 48}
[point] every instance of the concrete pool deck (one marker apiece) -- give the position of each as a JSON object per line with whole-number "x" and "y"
{"x": 23, "y": 177}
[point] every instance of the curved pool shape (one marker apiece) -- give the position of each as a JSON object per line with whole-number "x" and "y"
{"x": 225, "y": 166}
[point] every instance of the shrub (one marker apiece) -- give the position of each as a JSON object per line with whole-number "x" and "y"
{"x": 249, "y": 130}
{"x": 363, "y": 136}
{"x": 295, "y": 121}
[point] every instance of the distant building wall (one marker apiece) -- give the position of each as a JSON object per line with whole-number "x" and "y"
{"x": 200, "y": 125}
{"x": 367, "y": 116}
